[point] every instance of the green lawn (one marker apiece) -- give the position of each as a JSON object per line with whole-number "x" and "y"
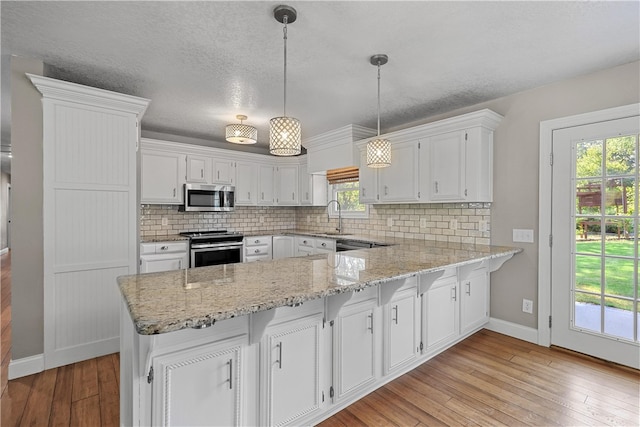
{"x": 619, "y": 273}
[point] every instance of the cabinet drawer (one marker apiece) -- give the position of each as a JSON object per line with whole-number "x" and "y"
{"x": 162, "y": 247}
{"x": 252, "y": 258}
{"x": 328, "y": 244}
{"x": 305, "y": 241}
{"x": 257, "y": 250}
{"x": 257, "y": 241}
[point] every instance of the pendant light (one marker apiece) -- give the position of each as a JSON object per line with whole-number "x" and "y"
{"x": 284, "y": 132}
{"x": 379, "y": 149}
{"x": 241, "y": 133}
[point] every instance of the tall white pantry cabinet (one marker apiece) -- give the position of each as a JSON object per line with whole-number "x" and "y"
{"x": 90, "y": 139}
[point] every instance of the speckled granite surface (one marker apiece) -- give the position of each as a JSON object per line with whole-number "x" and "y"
{"x": 174, "y": 300}
{"x": 168, "y": 238}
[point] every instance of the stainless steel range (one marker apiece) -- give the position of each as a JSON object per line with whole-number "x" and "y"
{"x": 214, "y": 247}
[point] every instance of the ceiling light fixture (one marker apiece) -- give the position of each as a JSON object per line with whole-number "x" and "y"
{"x": 379, "y": 149}
{"x": 241, "y": 133}
{"x": 284, "y": 132}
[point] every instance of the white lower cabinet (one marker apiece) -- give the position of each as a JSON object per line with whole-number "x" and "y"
{"x": 163, "y": 256}
{"x": 354, "y": 355}
{"x": 401, "y": 329}
{"x": 292, "y": 361}
{"x": 440, "y": 314}
{"x": 474, "y": 294}
{"x": 257, "y": 248}
{"x": 283, "y": 247}
{"x": 199, "y": 386}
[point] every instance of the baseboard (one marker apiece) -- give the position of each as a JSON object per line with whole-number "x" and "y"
{"x": 514, "y": 330}
{"x": 26, "y": 366}
{"x": 4, "y": 251}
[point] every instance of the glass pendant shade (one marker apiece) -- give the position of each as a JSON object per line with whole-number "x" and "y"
{"x": 241, "y": 134}
{"x": 379, "y": 153}
{"x": 284, "y": 136}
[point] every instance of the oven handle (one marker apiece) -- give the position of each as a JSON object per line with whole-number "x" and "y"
{"x": 216, "y": 245}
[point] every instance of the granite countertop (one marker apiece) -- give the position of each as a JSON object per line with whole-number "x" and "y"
{"x": 168, "y": 238}
{"x": 174, "y": 300}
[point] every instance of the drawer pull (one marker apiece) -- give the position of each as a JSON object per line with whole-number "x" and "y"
{"x": 256, "y": 241}
{"x": 257, "y": 251}
{"x": 324, "y": 244}
{"x": 164, "y": 248}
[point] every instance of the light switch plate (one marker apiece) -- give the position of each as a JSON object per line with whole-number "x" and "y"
{"x": 522, "y": 235}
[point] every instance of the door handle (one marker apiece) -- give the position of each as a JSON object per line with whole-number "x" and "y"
{"x": 279, "y": 355}
{"x": 395, "y": 308}
{"x": 370, "y": 317}
{"x": 453, "y": 294}
{"x": 468, "y": 288}
{"x": 230, "y": 363}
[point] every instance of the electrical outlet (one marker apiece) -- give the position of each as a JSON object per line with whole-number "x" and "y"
{"x": 483, "y": 225}
{"x": 527, "y": 306}
{"x": 261, "y": 219}
{"x": 423, "y": 222}
{"x": 453, "y": 224}
{"x": 389, "y": 222}
{"x": 165, "y": 221}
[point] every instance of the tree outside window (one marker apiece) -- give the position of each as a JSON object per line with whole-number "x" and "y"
{"x": 348, "y": 194}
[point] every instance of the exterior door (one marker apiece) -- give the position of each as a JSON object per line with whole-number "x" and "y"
{"x": 594, "y": 255}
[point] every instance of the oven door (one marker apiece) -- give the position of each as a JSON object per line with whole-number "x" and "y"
{"x": 204, "y": 255}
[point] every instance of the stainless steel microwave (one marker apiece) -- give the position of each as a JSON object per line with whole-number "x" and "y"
{"x": 208, "y": 198}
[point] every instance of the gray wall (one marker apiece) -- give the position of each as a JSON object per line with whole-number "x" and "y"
{"x": 515, "y": 176}
{"x": 5, "y": 181}
{"x": 27, "y": 274}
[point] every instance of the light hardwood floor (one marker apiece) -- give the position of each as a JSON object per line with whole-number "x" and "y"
{"x": 488, "y": 379}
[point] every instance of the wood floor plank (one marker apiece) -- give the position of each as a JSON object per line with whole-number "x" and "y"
{"x": 408, "y": 407}
{"x": 392, "y": 412}
{"x": 115, "y": 359}
{"x": 86, "y": 412}
{"x": 14, "y": 400}
{"x": 370, "y": 417}
{"x": 85, "y": 380}
{"x": 61, "y": 405}
{"x": 108, "y": 391}
{"x": 38, "y": 407}
{"x": 348, "y": 419}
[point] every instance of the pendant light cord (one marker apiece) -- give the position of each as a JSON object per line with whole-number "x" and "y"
{"x": 378, "y": 98}
{"x": 284, "y": 31}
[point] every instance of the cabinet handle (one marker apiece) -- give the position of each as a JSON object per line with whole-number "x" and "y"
{"x": 164, "y": 248}
{"x": 370, "y": 316}
{"x": 306, "y": 195}
{"x": 436, "y": 187}
{"x": 364, "y": 192}
{"x": 386, "y": 190}
{"x": 218, "y": 175}
{"x": 230, "y": 363}
{"x": 257, "y": 251}
{"x": 201, "y": 173}
{"x": 454, "y": 294}
{"x": 249, "y": 195}
{"x": 174, "y": 192}
{"x": 324, "y": 244}
{"x": 262, "y": 195}
{"x": 279, "y": 355}
{"x": 304, "y": 241}
{"x": 468, "y": 288}
{"x": 293, "y": 196}
{"x": 256, "y": 241}
{"x": 179, "y": 264}
{"x": 395, "y": 308}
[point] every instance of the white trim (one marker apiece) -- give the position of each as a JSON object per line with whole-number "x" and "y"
{"x": 544, "y": 202}
{"x": 4, "y": 251}
{"x": 26, "y": 366}
{"x": 514, "y": 330}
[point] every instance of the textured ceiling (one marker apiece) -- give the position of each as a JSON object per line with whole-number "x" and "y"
{"x": 201, "y": 63}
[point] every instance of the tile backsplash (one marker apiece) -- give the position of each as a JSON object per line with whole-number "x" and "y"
{"x": 416, "y": 221}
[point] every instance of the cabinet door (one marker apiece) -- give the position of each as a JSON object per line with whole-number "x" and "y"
{"x": 246, "y": 184}
{"x": 305, "y": 185}
{"x": 287, "y": 185}
{"x": 223, "y": 171}
{"x": 440, "y": 313}
{"x": 401, "y": 315}
{"x": 265, "y": 185}
{"x": 399, "y": 182}
{"x": 282, "y": 247}
{"x": 199, "y": 386}
{"x": 368, "y": 181}
{"x": 354, "y": 352}
{"x": 447, "y": 166}
{"x": 162, "y": 176}
{"x": 475, "y": 301}
{"x": 294, "y": 376}
{"x": 198, "y": 169}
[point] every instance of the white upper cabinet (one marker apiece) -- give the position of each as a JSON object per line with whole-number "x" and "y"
{"x": 198, "y": 169}
{"x": 223, "y": 171}
{"x": 445, "y": 164}
{"x": 287, "y": 185}
{"x": 162, "y": 177}
{"x": 265, "y": 185}
{"x": 368, "y": 180}
{"x": 246, "y": 184}
{"x": 399, "y": 182}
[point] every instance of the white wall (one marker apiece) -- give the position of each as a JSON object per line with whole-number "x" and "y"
{"x": 5, "y": 181}
{"x": 515, "y": 185}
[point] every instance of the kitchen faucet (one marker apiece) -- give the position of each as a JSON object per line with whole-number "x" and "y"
{"x": 339, "y": 229}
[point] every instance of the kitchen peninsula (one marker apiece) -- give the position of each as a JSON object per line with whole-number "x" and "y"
{"x": 294, "y": 340}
